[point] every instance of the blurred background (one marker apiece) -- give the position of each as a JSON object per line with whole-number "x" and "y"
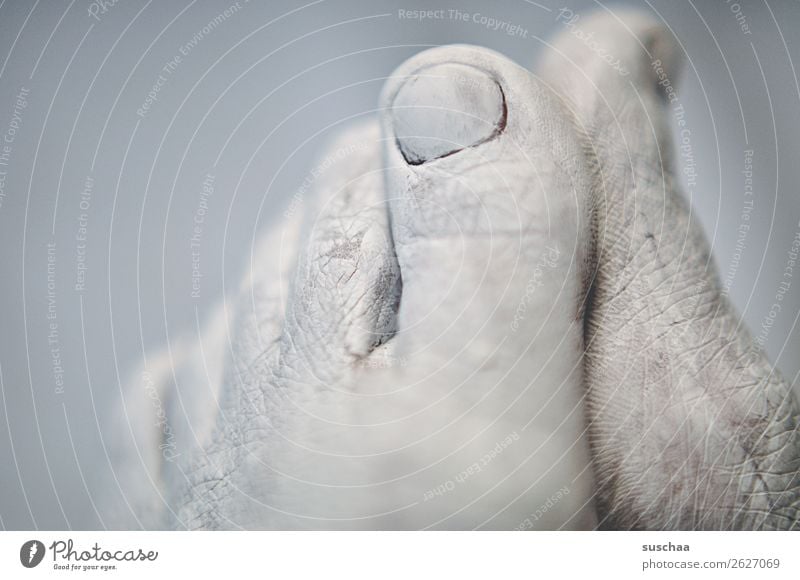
{"x": 124, "y": 122}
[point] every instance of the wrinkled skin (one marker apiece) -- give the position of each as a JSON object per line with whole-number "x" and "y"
{"x": 496, "y": 313}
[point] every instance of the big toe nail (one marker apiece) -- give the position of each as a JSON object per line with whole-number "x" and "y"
{"x": 445, "y": 108}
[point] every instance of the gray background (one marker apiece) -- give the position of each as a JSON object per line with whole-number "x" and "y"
{"x": 252, "y": 103}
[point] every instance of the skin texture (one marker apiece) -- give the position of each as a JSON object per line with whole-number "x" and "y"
{"x": 692, "y": 427}
{"x": 495, "y": 313}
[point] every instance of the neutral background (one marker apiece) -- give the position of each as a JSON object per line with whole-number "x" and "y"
{"x": 252, "y": 102}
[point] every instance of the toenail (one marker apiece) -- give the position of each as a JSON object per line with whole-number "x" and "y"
{"x": 443, "y": 109}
